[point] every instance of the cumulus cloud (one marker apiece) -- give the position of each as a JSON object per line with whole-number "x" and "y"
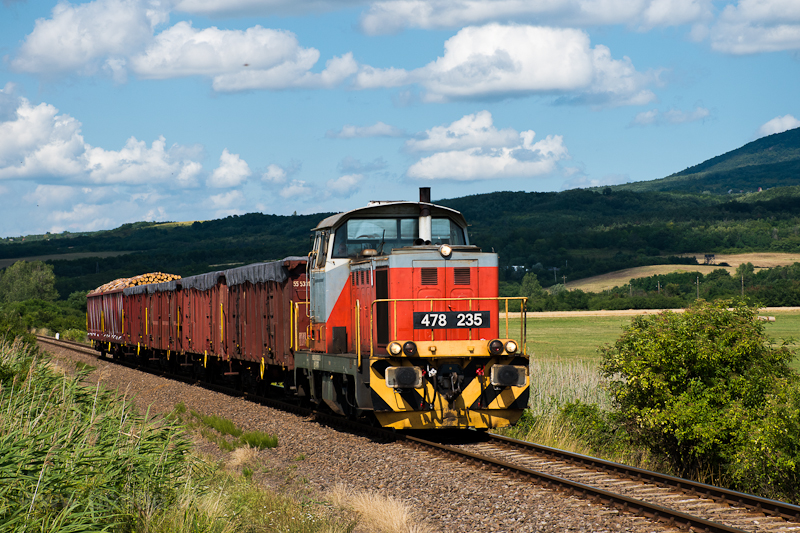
{"x": 274, "y": 174}
{"x": 39, "y": 142}
{"x": 51, "y": 195}
{"x": 471, "y": 160}
{"x": 344, "y": 186}
{"x": 467, "y": 132}
{"x": 379, "y": 129}
{"x": 261, "y": 7}
{"x": 231, "y": 172}
{"x": 118, "y": 36}
{"x": 671, "y": 116}
{"x": 83, "y": 38}
{"x": 778, "y": 125}
{"x": 391, "y": 16}
{"x": 753, "y": 26}
{"x": 297, "y": 190}
{"x": 511, "y": 60}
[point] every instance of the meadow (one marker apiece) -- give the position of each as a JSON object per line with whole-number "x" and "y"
{"x": 578, "y": 336}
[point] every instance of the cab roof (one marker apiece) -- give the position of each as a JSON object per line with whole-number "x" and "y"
{"x": 391, "y": 209}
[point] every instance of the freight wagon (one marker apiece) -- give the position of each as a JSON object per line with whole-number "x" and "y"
{"x": 393, "y": 315}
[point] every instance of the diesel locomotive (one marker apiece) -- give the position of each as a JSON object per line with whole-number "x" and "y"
{"x": 393, "y": 315}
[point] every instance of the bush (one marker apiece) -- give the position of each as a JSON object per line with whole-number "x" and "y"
{"x": 708, "y": 391}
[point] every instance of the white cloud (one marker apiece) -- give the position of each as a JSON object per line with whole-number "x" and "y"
{"x": 117, "y": 36}
{"x": 671, "y": 116}
{"x": 84, "y": 217}
{"x": 38, "y": 142}
{"x": 51, "y": 195}
{"x": 753, "y": 26}
{"x": 467, "y": 132}
{"x": 274, "y": 174}
{"x": 82, "y": 38}
{"x": 379, "y": 129}
{"x": 294, "y": 73}
{"x": 261, "y": 7}
{"x": 226, "y": 200}
{"x": 231, "y": 172}
{"x": 297, "y": 190}
{"x": 519, "y": 158}
{"x": 255, "y": 58}
{"x": 497, "y": 60}
{"x": 778, "y": 125}
{"x": 394, "y": 15}
{"x": 344, "y": 186}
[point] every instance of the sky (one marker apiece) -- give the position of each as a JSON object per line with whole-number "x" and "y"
{"x": 116, "y": 111}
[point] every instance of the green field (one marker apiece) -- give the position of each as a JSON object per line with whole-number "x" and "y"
{"x": 579, "y": 337}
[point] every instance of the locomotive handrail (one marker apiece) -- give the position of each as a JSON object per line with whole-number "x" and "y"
{"x": 523, "y": 327}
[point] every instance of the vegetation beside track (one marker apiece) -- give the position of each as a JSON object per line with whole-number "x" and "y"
{"x": 78, "y": 458}
{"x": 706, "y": 393}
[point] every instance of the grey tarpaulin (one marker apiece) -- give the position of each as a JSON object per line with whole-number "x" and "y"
{"x": 201, "y": 282}
{"x": 259, "y": 272}
{"x": 150, "y": 288}
{"x": 256, "y": 273}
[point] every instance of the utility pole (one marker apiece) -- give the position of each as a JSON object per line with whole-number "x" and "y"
{"x": 554, "y": 269}
{"x": 698, "y": 287}
{"x": 659, "y": 287}
{"x": 565, "y": 280}
{"x": 742, "y": 285}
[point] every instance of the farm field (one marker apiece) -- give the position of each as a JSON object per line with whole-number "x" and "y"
{"x": 622, "y": 277}
{"x": 577, "y": 336}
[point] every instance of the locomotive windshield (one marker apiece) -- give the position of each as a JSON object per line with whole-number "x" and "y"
{"x": 384, "y": 234}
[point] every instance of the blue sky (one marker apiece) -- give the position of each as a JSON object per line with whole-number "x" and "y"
{"x": 115, "y": 111}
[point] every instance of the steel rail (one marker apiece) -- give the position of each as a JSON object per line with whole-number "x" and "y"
{"x": 621, "y": 502}
{"x": 756, "y": 503}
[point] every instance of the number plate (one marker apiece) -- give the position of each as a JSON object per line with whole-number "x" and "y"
{"x": 451, "y": 320}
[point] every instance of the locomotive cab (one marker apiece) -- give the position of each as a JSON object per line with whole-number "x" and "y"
{"x": 405, "y": 321}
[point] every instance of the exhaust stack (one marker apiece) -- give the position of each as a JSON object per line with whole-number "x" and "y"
{"x": 425, "y": 229}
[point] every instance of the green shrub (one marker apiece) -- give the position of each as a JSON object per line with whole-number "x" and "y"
{"x": 706, "y": 390}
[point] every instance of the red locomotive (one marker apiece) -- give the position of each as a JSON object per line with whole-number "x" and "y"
{"x": 393, "y": 314}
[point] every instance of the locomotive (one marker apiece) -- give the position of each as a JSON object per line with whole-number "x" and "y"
{"x": 393, "y": 315}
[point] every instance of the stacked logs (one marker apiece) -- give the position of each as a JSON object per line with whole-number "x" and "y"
{"x": 143, "y": 279}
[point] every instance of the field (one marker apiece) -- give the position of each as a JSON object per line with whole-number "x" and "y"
{"x": 622, "y": 277}
{"x": 577, "y": 336}
{"x": 60, "y": 257}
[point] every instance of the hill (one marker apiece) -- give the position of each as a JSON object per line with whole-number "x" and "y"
{"x": 771, "y": 161}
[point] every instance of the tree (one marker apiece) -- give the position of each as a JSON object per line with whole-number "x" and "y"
{"x": 531, "y": 288}
{"x": 694, "y": 386}
{"x": 27, "y": 280}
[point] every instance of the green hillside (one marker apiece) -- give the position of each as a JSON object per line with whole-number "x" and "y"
{"x": 772, "y": 161}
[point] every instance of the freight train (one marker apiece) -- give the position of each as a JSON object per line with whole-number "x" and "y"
{"x": 393, "y": 315}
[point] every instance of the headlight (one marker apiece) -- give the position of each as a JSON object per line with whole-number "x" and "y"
{"x": 403, "y": 377}
{"x": 410, "y": 349}
{"x": 508, "y": 376}
{"x": 445, "y": 250}
{"x": 511, "y": 347}
{"x": 394, "y": 348}
{"x": 496, "y": 347}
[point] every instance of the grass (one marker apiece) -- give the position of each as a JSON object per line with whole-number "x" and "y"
{"x": 383, "y": 513}
{"x": 217, "y": 429}
{"x": 579, "y": 337}
{"x": 75, "y": 458}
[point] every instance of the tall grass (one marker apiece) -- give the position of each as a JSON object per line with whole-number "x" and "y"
{"x": 75, "y": 459}
{"x": 570, "y": 409}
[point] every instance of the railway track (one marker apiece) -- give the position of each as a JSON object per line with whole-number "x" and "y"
{"x": 677, "y": 502}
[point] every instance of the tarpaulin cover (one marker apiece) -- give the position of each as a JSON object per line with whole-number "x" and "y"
{"x": 150, "y": 288}
{"x": 259, "y": 272}
{"x": 255, "y": 273}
